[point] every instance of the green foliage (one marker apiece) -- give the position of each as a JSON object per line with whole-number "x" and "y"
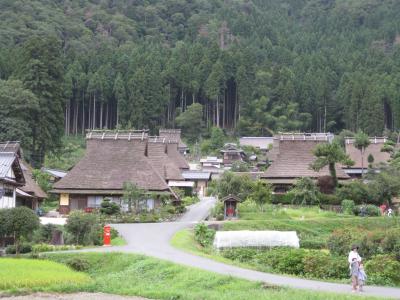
{"x": 155, "y": 278}
{"x": 26, "y": 274}
{"x": 190, "y": 200}
{"x": 348, "y": 207}
{"x": 84, "y": 228}
{"x": 356, "y": 191}
{"x": 234, "y": 184}
{"x": 42, "y": 179}
{"x": 304, "y": 192}
{"x": 261, "y": 194}
{"x": 132, "y": 195}
{"x": 17, "y": 105}
{"x": 78, "y": 264}
{"x": 383, "y": 269}
{"x": 373, "y": 210}
{"x": 340, "y": 241}
{"x": 23, "y": 248}
{"x": 240, "y": 166}
{"x": 18, "y": 222}
{"x": 44, "y": 233}
{"x": 204, "y": 235}
{"x": 191, "y": 121}
{"x": 108, "y": 207}
{"x": 328, "y": 199}
{"x": 329, "y": 154}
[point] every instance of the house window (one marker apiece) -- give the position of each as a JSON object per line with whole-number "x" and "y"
{"x": 95, "y": 201}
{"x": 8, "y": 192}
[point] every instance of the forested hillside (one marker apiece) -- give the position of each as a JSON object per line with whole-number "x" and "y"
{"x": 255, "y": 66}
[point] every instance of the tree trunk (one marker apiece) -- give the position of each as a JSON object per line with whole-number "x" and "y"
{"x": 332, "y": 171}
{"x": 94, "y": 111}
{"x": 217, "y": 111}
{"x": 362, "y": 161}
{"x": 101, "y": 114}
{"x": 83, "y": 113}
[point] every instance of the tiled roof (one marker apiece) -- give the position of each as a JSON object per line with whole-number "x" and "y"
{"x": 293, "y": 161}
{"x": 9, "y": 160}
{"x": 374, "y": 148}
{"x": 196, "y": 175}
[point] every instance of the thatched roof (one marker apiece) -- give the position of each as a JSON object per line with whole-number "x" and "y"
{"x": 262, "y": 143}
{"x": 108, "y": 163}
{"x": 293, "y": 161}
{"x": 157, "y": 155}
{"x": 173, "y": 135}
{"x": 176, "y": 157}
{"x": 374, "y": 149}
{"x": 31, "y": 187}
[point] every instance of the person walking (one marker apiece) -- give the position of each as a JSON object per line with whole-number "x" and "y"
{"x": 354, "y": 254}
{"x": 362, "y": 277}
{"x": 354, "y": 270}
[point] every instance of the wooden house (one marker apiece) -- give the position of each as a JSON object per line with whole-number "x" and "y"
{"x": 294, "y": 154}
{"x": 231, "y": 153}
{"x": 11, "y": 177}
{"x": 113, "y": 158}
{"x": 28, "y": 194}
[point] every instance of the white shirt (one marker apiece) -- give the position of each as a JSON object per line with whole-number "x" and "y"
{"x": 352, "y": 255}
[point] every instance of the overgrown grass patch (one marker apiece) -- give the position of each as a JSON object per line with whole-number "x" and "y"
{"x": 32, "y": 274}
{"x": 128, "y": 274}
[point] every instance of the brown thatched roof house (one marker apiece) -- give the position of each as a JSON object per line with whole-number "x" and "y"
{"x": 374, "y": 149}
{"x": 113, "y": 158}
{"x": 174, "y": 135}
{"x": 29, "y": 193}
{"x": 294, "y": 154}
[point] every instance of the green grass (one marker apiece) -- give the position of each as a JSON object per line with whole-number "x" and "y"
{"x": 118, "y": 241}
{"x": 28, "y": 274}
{"x": 128, "y": 274}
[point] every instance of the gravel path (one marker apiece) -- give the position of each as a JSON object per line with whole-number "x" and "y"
{"x": 75, "y": 296}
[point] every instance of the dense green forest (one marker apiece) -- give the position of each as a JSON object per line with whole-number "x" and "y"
{"x": 255, "y": 66}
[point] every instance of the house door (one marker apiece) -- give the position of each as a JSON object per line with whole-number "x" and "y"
{"x": 78, "y": 204}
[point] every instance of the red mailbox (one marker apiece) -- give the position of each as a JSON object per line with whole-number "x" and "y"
{"x": 107, "y": 235}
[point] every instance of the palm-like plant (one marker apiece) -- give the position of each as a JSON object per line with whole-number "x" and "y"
{"x": 329, "y": 154}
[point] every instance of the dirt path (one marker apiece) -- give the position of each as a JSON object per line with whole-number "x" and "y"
{"x": 74, "y": 296}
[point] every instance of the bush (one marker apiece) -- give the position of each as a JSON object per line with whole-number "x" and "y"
{"x": 78, "y": 264}
{"x": 329, "y": 199}
{"x": 285, "y": 199}
{"x": 322, "y": 265}
{"x": 204, "y": 235}
{"x": 340, "y": 241}
{"x": 383, "y": 269}
{"x": 44, "y": 234}
{"x": 312, "y": 243}
{"x": 24, "y": 248}
{"x": 372, "y": 210}
{"x": 348, "y": 207}
{"x": 356, "y": 191}
{"x": 84, "y": 228}
{"x": 109, "y": 208}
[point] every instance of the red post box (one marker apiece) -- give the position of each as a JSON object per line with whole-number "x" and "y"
{"x": 107, "y": 235}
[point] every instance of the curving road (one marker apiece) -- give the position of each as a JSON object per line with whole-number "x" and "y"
{"x": 153, "y": 240}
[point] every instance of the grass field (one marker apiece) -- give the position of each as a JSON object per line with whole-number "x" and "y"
{"x": 30, "y": 274}
{"x": 118, "y": 241}
{"x": 128, "y": 274}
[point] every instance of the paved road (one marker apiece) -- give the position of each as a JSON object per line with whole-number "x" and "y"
{"x": 153, "y": 240}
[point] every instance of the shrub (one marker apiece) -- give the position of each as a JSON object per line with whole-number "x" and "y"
{"x": 348, "y": 207}
{"x": 218, "y": 211}
{"x": 369, "y": 243}
{"x": 190, "y": 200}
{"x": 391, "y": 243}
{"x": 240, "y": 254}
{"x": 304, "y": 192}
{"x": 204, "y": 235}
{"x": 282, "y": 198}
{"x": 24, "y": 248}
{"x": 339, "y": 242}
{"x": 312, "y": 243}
{"x": 84, "y": 228}
{"x": 44, "y": 234}
{"x": 108, "y": 207}
{"x": 372, "y": 210}
{"x": 329, "y": 199}
{"x": 78, "y": 264}
{"x": 383, "y": 269}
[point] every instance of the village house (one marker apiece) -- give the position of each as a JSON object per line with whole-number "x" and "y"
{"x": 373, "y": 150}
{"x": 174, "y": 135}
{"x": 17, "y": 186}
{"x": 113, "y": 158}
{"x": 231, "y": 153}
{"x": 294, "y": 154}
{"x": 198, "y": 181}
